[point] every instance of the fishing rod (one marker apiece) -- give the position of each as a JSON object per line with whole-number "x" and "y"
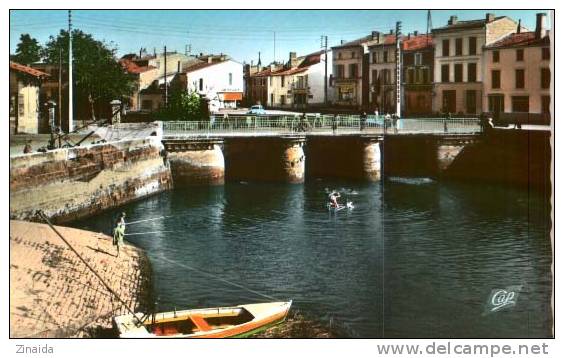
{"x": 44, "y": 217}
{"x": 161, "y": 257}
{"x": 150, "y": 232}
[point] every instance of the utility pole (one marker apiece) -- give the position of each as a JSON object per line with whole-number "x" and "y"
{"x": 398, "y": 69}
{"x": 325, "y": 82}
{"x": 60, "y": 88}
{"x": 71, "y": 111}
{"x": 165, "y": 83}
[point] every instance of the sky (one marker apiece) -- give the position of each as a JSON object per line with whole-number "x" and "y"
{"x": 238, "y": 33}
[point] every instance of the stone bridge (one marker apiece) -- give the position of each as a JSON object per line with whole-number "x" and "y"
{"x": 292, "y": 158}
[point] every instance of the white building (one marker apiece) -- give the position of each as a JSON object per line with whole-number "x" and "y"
{"x": 219, "y": 80}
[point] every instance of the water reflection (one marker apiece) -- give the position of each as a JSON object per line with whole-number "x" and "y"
{"x": 414, "y": 258}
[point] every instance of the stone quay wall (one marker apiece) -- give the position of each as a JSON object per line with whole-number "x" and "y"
{"x": 71, "y": 183}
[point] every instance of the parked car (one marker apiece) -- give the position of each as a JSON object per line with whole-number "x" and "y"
{"x": 256, "y": 109}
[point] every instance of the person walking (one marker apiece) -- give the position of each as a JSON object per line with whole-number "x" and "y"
{"x": 119, "y": 232}
{"x": 363, "y": 118}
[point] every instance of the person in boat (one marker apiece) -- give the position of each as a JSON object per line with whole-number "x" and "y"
{"x": 333, "y": 199}
{"x": 119, "y": 232}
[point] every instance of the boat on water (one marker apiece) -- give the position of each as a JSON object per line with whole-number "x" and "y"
{"x": 349, "y": 206}
{"x": 220, "y": 322}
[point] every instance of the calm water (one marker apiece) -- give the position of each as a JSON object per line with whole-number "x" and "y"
{"x": 414, "y": 258}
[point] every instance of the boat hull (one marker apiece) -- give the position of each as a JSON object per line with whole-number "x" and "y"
{"x": 260, "y": 317}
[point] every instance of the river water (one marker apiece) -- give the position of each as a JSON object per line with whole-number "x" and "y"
{"x": 414, "y": 258}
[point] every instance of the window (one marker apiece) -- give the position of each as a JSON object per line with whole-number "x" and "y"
{"x": 471, "y": 101}
{"x": 353, "y": 73}
{"x": 496, "y": 103}
{"x": 374, "y": 76}
{"x": 385, "y": 56}
{"x": 282, "y": 99}
{"x": 545, "y": 78}
{"x": 373, "y": 57}
{"x": 545, "y": 104}
{"x": 546, "y": 53}
{"x": 471, "y": 72}
{"x": 410, "y": 74}
{"x": 458, "y": 72}
{"x": 472, "y": 45}
{"x": 520, "y": 103}
{"x": 458, "y": 47}
{"x": 230, "y": 79}
{"x": 353, "y": 54}
{"x": 340, "y": 55}
{"x": 21, "y": 105}
{"x": 201, "y": 84}
{"x": 520, "y": 78}
{"x": 444, "y": 73}
{"x": 495, "y": 56}
{"x": 426, "y": 76}
{"x": 282, "y": 80}
{"x": 418, "y": 59}
{"x": 496, "y": 79}
{"x": 340, "y": 71}
{"x": 270, "y": 80}
{"x": 446, "y": 45}
{"x": 449, "y": 101}
{"x": 418, "y": 75}
{"x": 519, "y": 54}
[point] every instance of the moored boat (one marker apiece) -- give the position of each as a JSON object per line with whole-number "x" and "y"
{"x": 220, "y": 322}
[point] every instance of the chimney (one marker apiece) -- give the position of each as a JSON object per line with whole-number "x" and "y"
{"x": 293, "y": 60}
{"x": 375, "y": 35}
{"x": 490, "y": 17}
{"x": 415, "y": 33}
{"x": 391, "y": 32}
{"x": 519, "y": 27}
{"x": 409, "y": 36}
{"x": 378, "y": 38}
{"x": 540, "y": 30}
{"x": 210, "y": 59}
{"x": 453, "y": 20}
{"x": 342, "y": 42}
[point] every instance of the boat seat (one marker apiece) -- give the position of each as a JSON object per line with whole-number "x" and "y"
{"x": 200, "y": 322}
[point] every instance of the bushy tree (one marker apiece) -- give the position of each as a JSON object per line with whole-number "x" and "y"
{"x": 183, "y": 106}
{"x": 98, "y": 77}
{"x": 28, "y": 50}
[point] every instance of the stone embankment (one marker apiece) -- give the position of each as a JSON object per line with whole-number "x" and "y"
{"x": 54, "y": 294}
{"x": 71, "y": 183}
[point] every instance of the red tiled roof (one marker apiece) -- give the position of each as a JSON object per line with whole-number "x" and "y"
{"x": 311, "y": 59}
{"x": 199, "y": 66}
{"x": 518, "y": 40}
{"x": 27, "y": 70}
{"x": 417, "y": 42}
{"x": 290, "y": 71}
{"x": 132, "y": 67}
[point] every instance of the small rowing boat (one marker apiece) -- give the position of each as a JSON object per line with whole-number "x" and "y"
{"x": 340, "y": 207}
{"x": 220, "y": 322}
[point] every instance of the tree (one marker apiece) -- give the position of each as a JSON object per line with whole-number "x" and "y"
{"x": 98, "y": 77}
{"x": 28, "y": 50}
{"x": 183, "y": 106}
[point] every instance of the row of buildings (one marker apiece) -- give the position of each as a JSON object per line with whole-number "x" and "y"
{"x": 491, "y": 64}
{"x": 466, "y": 67}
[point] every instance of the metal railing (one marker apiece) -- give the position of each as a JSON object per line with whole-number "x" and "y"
{"x": 272, "y": 125}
